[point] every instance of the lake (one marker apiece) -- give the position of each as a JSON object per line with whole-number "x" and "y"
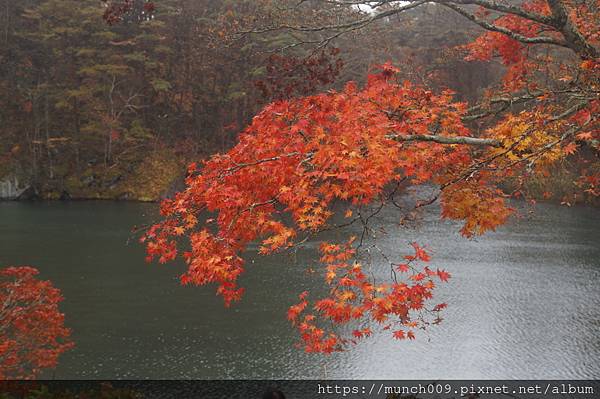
{"x": 523, "y": 302}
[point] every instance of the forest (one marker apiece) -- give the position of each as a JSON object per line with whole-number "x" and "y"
{"x": 96, "y": 110}
{"x": 324, "y": 134}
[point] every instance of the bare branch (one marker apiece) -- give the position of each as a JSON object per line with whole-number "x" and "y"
{"x": 345, "y": 26}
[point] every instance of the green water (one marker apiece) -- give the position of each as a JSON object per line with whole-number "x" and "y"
{"x": 524, "y": 302}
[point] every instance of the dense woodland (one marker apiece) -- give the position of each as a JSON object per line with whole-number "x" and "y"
{"x": 116, "y": 110}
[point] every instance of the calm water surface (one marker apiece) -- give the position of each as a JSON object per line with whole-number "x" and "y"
{"x": 524, "y": 302}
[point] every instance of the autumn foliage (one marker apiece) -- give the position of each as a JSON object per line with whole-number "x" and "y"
{"x": 302, "y": 161}
{"x": 32, "y": 331}
{"x": 303, "y": 157}
{"x": 399, "y": 306}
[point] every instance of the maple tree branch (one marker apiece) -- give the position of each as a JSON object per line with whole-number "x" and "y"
{"x": 507, "y": 9}
{"x": 494, "y": 28}
{"x": 475, "y": 141}
{"x": 570, "y": 111}
{"x": 477, "y": 167}
{"x": 574, "y": 39}
{"x": 238, "y": 166}
{"x": 504, "y": 101}
{"x": 484, "y": 109}
{"x": 536, "y": 155}
{"x": 250, "y": 209}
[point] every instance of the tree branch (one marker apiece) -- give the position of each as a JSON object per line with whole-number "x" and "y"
{"x": 508, "y": 9}
{"x": 559, "y": 21}
{"x": 349, "y": 26}
{"x": 573, "y": 37}
{"x": 475, "y": 141}
{"x": 513, "y": 35}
